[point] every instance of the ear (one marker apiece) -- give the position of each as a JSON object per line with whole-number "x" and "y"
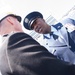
{"x": 10, "y": 20}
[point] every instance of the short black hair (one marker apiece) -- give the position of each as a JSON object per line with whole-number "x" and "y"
{"x": 16, "y": 16}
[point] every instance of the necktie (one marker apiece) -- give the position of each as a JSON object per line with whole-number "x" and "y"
{"x": 54, "y": 35}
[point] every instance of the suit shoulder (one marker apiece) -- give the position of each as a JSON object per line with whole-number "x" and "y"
{"x": 20, "y": 39}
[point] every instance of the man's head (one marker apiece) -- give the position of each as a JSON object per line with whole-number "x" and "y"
{"x": 30, "y": 18}
{"x": 9, "y": 23}
{"x": 35, "y": 21}
{"x": 3, "y": 16}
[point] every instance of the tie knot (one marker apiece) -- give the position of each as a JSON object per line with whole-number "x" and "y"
{"x": 54, "y": 35}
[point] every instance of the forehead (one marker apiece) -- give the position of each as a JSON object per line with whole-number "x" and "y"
{"x": 3, "y": 22}
{"x": 35, "y": 22}
{"x": 3, "y": 18}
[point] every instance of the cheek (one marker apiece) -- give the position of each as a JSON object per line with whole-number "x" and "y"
{"x": 1, "y": 30}
{"x": 20, "y": 27}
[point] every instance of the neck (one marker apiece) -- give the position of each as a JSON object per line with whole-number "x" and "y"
{"x": 10, "y": 31}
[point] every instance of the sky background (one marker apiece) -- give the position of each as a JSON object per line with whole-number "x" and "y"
{"x": 56, "y": 8}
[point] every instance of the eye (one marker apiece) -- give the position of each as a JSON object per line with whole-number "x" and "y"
{"x": 33, "y": 24}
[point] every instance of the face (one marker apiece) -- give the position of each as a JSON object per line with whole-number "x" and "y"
{"x": 9, "y": 24}
{"x": 40, "y": 26}
{"x": 2, "y": 25}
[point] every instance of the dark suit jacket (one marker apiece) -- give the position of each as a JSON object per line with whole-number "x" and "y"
{"x": 22, "y": 55}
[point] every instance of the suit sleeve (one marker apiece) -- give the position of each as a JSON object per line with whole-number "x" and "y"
{"x": 27, "y": 57}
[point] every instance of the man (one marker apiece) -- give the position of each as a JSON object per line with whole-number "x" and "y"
{"x": 59, "y": 39}
{"x": 20, "y": 54}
